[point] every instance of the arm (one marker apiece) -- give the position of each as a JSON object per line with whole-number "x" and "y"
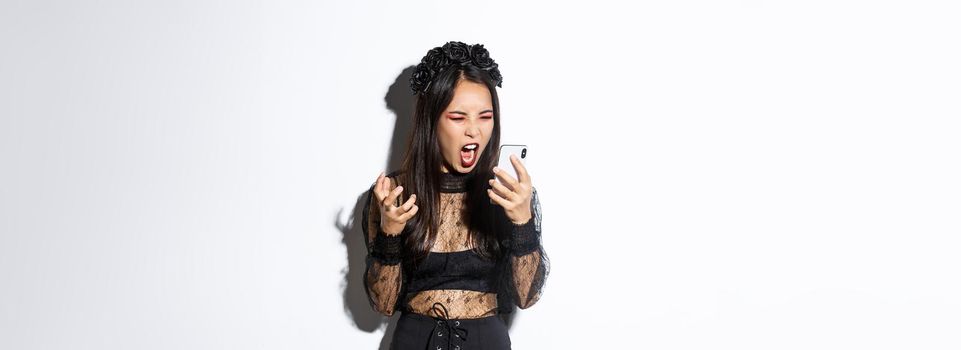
{"x": 384, "y": 275}
{"x": 529, "y": 265}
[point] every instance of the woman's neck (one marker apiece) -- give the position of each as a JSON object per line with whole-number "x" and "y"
{"x": 453, "y": 182}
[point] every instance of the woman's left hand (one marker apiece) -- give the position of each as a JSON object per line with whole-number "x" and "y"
{"x": 514, "y": 195}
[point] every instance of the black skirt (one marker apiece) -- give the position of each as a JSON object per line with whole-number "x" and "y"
{"x": 419, "y": 332}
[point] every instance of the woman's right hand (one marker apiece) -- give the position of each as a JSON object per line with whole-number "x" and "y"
{"x": 393, "y": 218}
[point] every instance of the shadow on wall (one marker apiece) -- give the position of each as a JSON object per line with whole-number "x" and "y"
{"x": 356, "y": 305}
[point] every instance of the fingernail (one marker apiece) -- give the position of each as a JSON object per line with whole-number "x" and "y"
{"x": 496, "y": 169}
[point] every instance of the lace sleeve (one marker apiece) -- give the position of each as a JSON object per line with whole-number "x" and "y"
{"x": 527, "y": 262}
{"x": 383, "y": 277}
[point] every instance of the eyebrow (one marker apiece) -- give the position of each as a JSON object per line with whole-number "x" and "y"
{"x": 465, "y": 113}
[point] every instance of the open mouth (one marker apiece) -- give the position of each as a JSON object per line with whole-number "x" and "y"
{"x": 468, "y": 155}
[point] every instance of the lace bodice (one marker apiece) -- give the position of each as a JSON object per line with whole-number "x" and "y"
{"x": 468, "y": 285}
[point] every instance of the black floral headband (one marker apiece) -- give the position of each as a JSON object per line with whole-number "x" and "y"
{"x": 452, "y": 53}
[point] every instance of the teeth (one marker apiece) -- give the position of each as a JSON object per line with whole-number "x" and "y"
{"x": 471, "y": 146}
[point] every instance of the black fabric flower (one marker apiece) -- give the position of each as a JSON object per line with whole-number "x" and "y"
{"x": 480, "y": 56}
{"x": 458, "y": 52}
{"x": 420, "y": 80}
{"x": 496, "y": 75}
{"x": 452, "y": 53}
{"x": 436, "y": 59}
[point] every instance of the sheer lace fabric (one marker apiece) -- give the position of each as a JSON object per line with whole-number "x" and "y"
{"x": 382, "y": 281}
{"x": 517, "y": 277}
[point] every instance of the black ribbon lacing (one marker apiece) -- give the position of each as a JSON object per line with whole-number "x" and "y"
{"x": 453, "y": 328}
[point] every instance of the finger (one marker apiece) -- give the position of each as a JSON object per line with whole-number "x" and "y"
{"x": 501, "y": 190}
{"x": 410, "y": 203}
{"x": 498, "y": 199}
{"x": 522, "y": 175}
{"x": 379, "y": 188}
{"x": 391, "y": 199}
{"x": 385, "y": 186}
{"x": 409, "y": 214}
{"x": 506, "y": 179}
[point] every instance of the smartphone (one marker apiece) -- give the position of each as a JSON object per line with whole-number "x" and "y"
{"x": 504, "y": 158}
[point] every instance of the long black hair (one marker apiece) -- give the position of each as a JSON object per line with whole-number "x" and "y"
{"x": 420, "y": 173}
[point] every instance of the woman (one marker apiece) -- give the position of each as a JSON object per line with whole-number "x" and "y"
{"x": 448, "y": 245}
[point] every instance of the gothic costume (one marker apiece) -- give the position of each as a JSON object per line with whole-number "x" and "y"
{"x": 450, "y": 299}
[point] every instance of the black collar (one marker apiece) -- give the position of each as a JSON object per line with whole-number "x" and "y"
{"x": 454, "y": 182}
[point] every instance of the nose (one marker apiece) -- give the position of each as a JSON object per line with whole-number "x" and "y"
{"x": 473, "y": 129}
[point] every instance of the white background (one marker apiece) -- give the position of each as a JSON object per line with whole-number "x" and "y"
{"x": 714, "y": 174}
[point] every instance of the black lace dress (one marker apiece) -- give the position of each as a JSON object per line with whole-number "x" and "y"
{"x": 454, "y": 287}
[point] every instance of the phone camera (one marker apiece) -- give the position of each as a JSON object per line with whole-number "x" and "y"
{"x": 523, "y": 153}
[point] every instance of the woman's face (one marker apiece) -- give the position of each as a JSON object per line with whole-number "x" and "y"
{"x": 465, "y": 126}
